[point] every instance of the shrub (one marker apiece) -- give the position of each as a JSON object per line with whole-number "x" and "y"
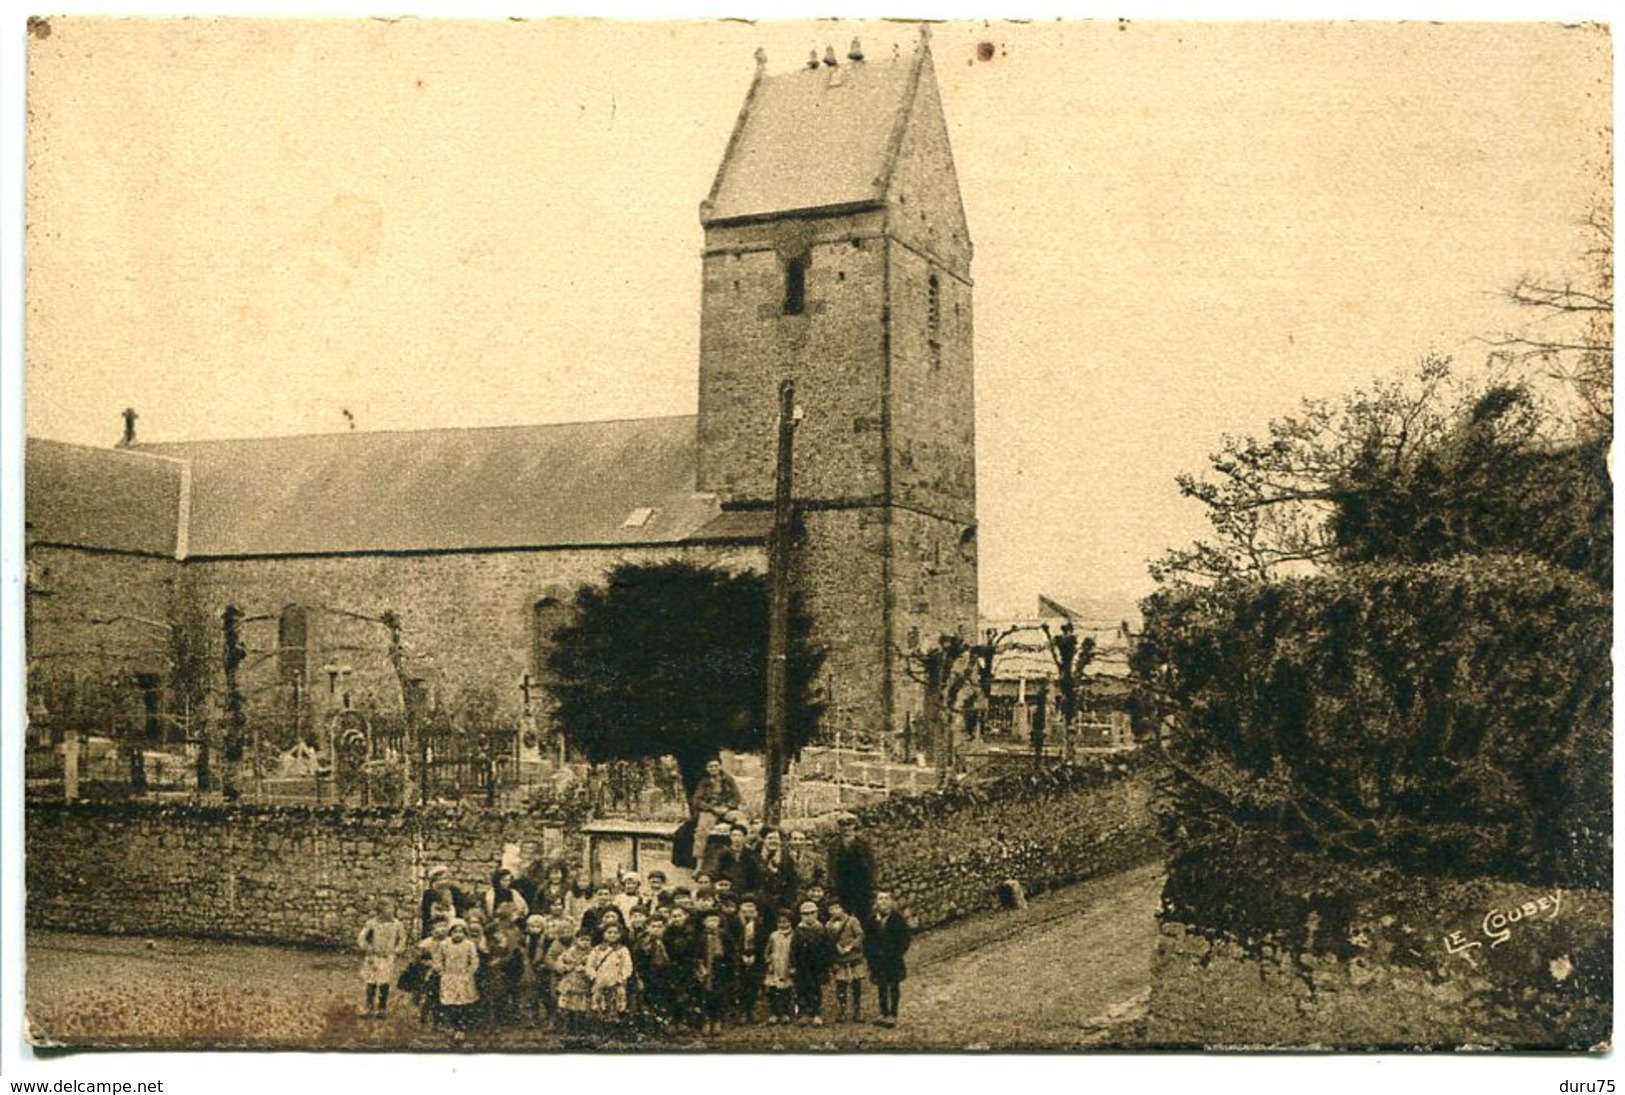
{"x": 1446, "y": 719}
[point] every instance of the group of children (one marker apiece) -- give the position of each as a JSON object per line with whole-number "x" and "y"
{"x": 635, "y": 957}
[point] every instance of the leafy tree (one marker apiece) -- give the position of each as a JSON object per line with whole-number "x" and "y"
{"x": 1417, "y": 471}
{"x": 1432, "y": 467}
{"x": 1393, "y": 654}
{"x": 671, "y": 659}
{"x": 1490, "y": 483}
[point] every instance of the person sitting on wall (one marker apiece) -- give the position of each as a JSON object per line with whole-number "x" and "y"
{"x": 716, "y": 799}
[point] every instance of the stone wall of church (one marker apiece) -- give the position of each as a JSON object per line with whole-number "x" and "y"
{"x": 926, "y": 212}
{"x": 933, "y": 591}
{"x": 839, "y": 569}
{"x": 933, "y": 421}
{"x": 94, "y": 619}
{"x": 468, "y": 619}
{"x": 834, "y": 350}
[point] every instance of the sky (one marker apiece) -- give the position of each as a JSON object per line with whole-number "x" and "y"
{"x": 247, "y": 228}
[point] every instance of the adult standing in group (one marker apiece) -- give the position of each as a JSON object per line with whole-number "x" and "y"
{"x": 739, "y": 863}
{"x": 809, "y": 863}
{"x": 781, "y": 882}
{"x": 443, "y": 899}
{"x": 851, "y": 875}
{"x": 503, "y": 891}
{"x": 716, "y": 798}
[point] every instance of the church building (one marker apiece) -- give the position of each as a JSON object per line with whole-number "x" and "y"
{"x": 835, "y": 254}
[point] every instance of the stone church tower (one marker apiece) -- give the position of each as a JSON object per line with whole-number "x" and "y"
{"x": 836, "y": 254}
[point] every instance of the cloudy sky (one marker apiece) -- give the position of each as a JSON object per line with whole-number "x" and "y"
{"x": 253, "y": 228}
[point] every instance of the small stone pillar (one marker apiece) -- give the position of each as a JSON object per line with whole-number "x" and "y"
{"x": 70, "y": 765}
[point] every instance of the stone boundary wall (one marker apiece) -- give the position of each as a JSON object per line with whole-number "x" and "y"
{"x": 1452, "y": 969}
{"x": 309, "y": 875}
{"x": 946, "y": 853}
{"x": 284, "y": 874}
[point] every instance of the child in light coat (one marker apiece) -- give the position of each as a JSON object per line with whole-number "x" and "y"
{"x": 610, "y": 966}
{"x": 459, "y": 964}
{"x": 382, "y": 940}
{"x": 779, "y": 969}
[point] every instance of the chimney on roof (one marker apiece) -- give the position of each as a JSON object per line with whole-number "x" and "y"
{"x": 855, "y": 51}
{"x": 829, "y": 56}
{"x": 812, "y": 58}
{"x": 129, "y": 427}
{"x": 761, "y": 59}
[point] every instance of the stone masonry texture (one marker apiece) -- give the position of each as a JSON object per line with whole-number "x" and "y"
{"x": 271, "y": 874}
{"x": 1542, "y": 981}
{"x": 310, "y": 875}
{"x": 467, "y": 619}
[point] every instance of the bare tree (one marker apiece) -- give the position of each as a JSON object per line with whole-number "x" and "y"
{"x": 943, "y": 668}
{"x": 1570, "y": 336}
{"x": 1072, "y": 656}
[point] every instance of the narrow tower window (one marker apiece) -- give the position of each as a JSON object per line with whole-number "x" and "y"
{"x": 795, "y": 287}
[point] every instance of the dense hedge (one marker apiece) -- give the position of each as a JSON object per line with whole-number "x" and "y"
{"x": 1452, "y": 719}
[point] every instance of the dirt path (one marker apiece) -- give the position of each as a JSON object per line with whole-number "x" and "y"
{"x": 1073, "y": 969}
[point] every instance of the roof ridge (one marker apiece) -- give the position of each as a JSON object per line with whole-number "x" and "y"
{"x": 905, "y": 115}
{"x": 132, "y": 450}
{"x": 148, "y": 445}
{"x": 710, "y": 200}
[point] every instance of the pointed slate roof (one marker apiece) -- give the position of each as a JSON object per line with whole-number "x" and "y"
{"x": 573, "y": 484}
{"x": 812, "y": 139}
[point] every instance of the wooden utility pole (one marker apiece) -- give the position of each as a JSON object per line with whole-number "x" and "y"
{"x": 413, "y": 748}
{"x": 778, "y": 610}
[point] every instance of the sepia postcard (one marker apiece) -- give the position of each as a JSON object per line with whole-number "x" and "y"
{"x": 846, "y": 536}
